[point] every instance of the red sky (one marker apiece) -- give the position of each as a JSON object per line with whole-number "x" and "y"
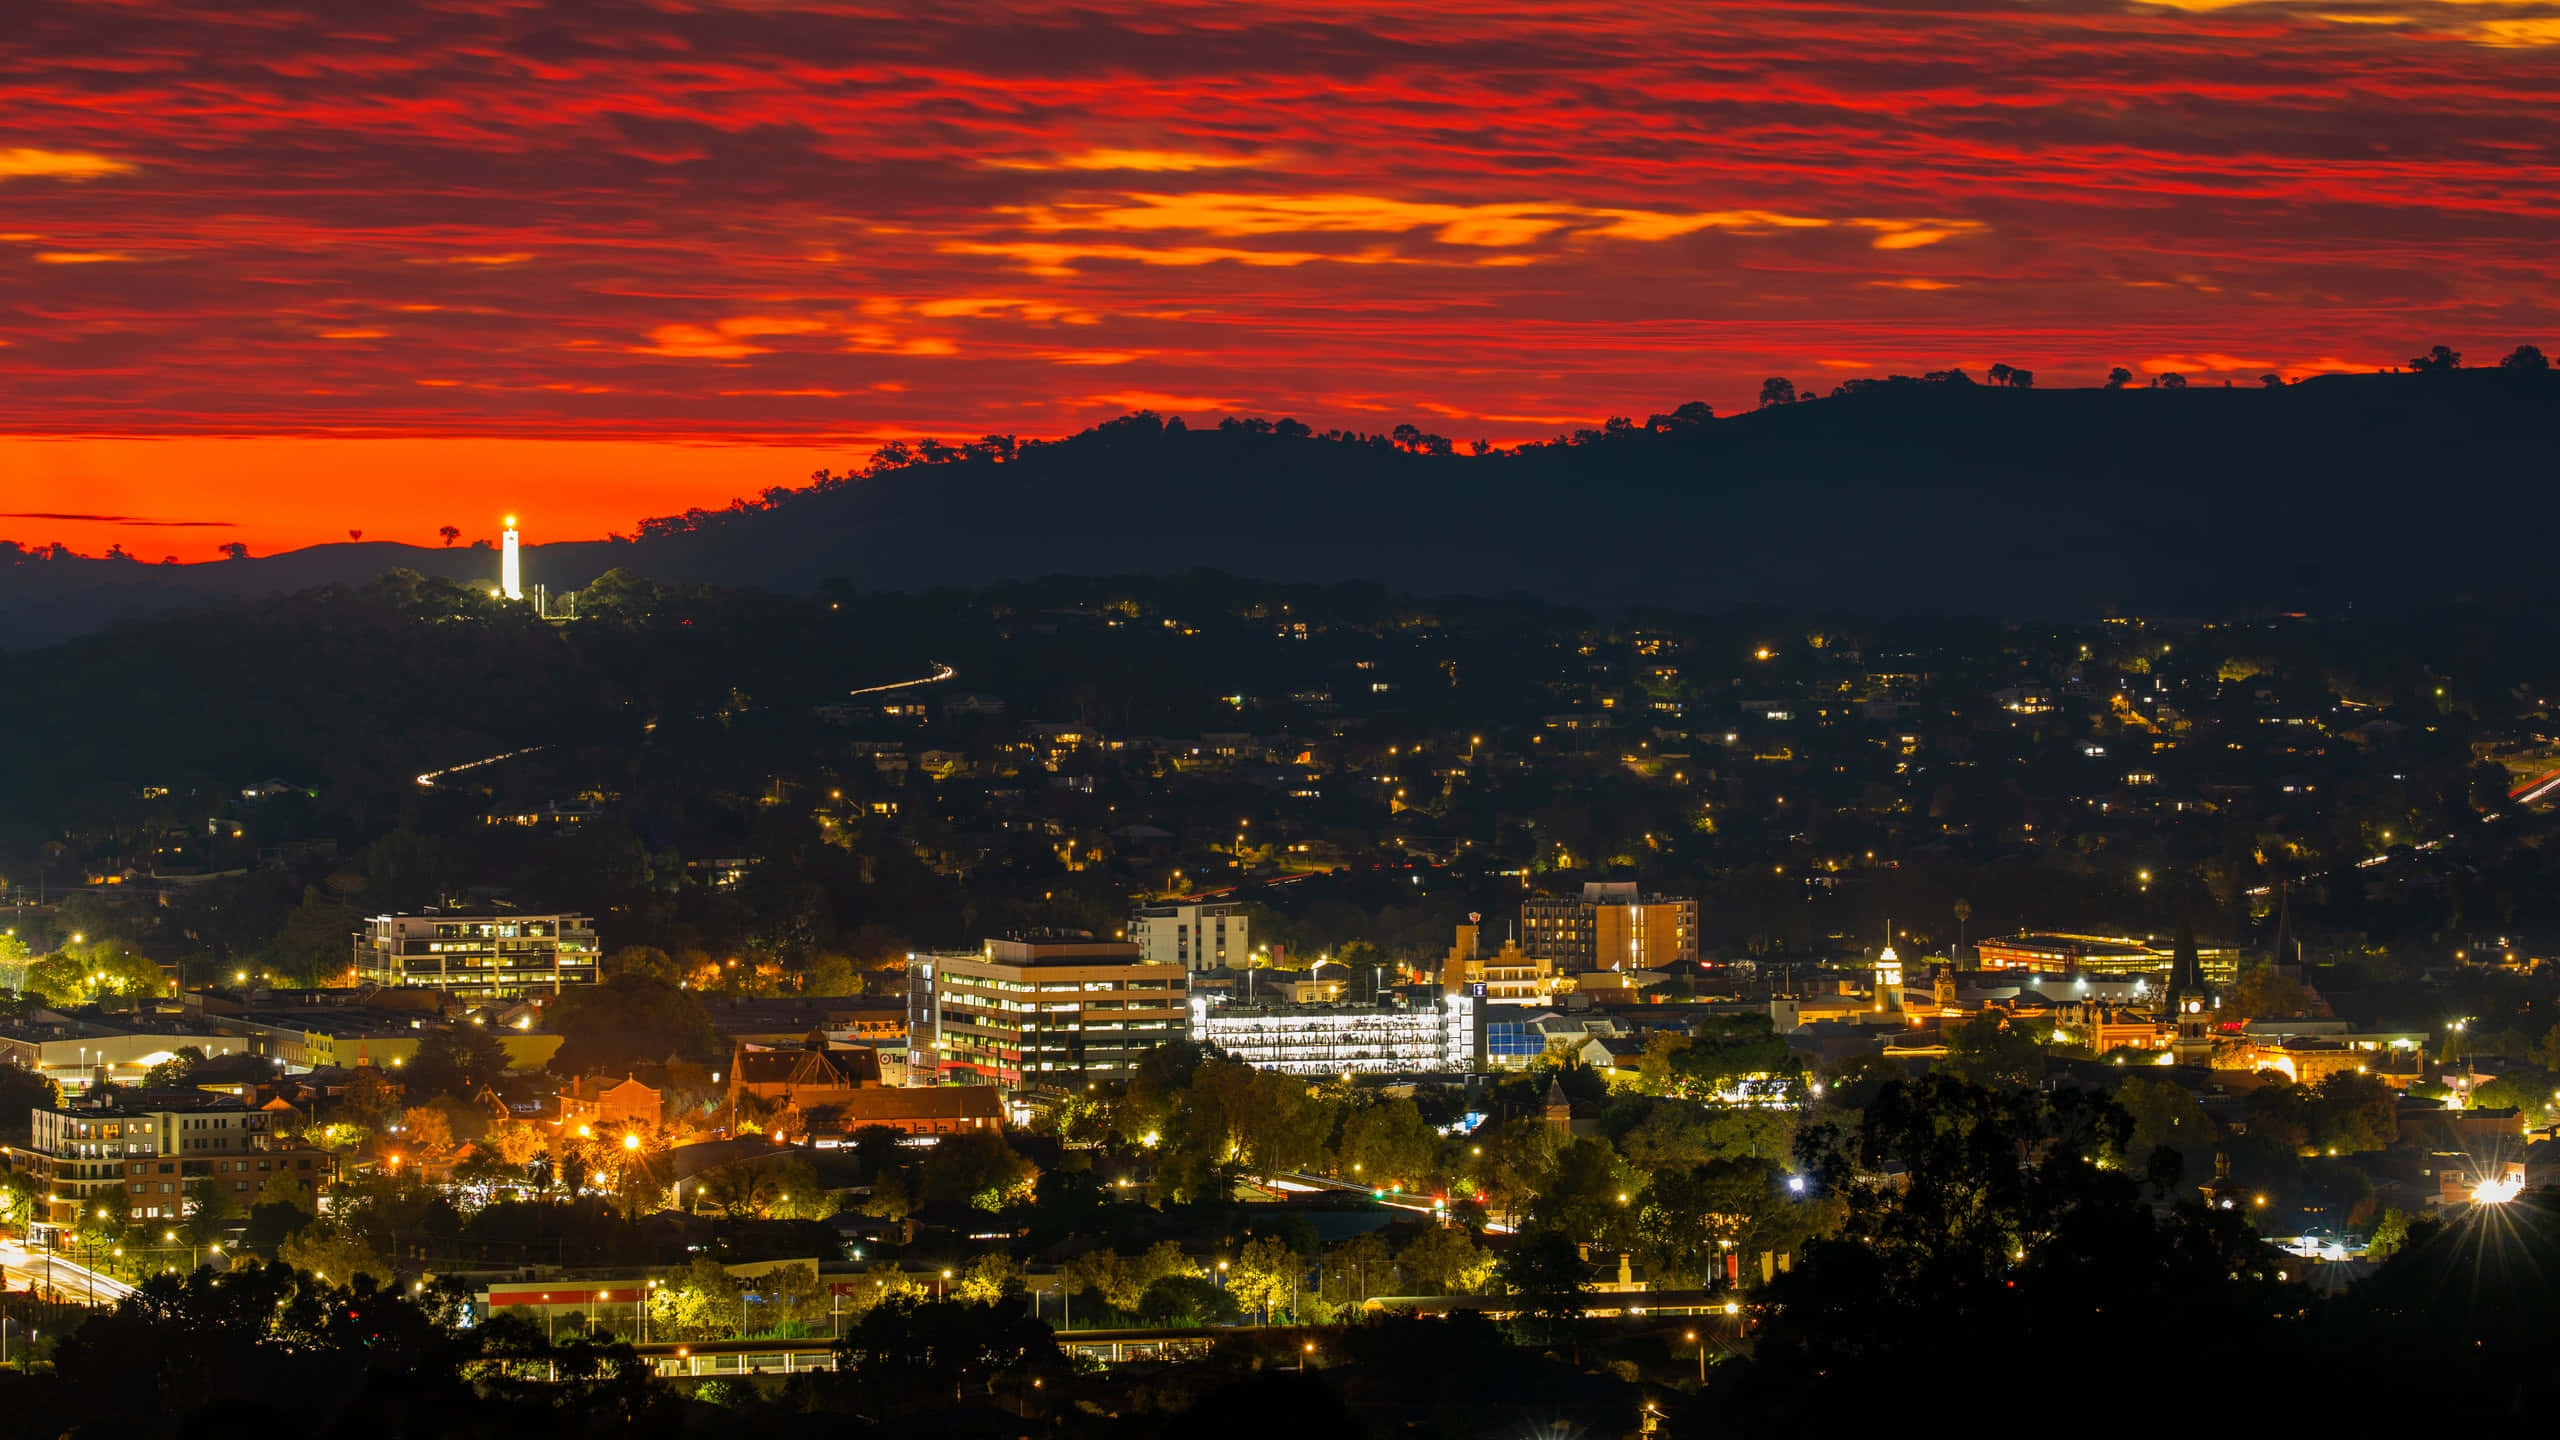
{"x": 300, "y": 269}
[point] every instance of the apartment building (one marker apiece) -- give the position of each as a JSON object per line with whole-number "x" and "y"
{"x": 153, "y": 1152}
{"x": 480, "y": 957}
{"x": 1191, "y": 935}
{"x": 1611, "y": 925}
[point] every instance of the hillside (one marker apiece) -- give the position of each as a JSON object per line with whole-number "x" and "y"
{"x": 2372, "y": 491}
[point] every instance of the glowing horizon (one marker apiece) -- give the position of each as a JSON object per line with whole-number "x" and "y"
{"x": 281, "y": 280}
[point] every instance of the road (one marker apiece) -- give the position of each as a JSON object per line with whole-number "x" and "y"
{"x": 427, "y": 781}
{"x": 25, "y": 1269}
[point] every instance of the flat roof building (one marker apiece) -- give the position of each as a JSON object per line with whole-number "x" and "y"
{"x": 478, "y": 956}
{"x": 1192, "y": 935}
{"x": 1611, "y": 925}
{"x": 150, "y": 1153}
{"x": 1415, "y": 1031}
{"x": 1053, "y": 1014}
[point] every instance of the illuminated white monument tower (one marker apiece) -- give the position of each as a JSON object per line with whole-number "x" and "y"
{"x": 510, "y": 569}
{"x": 1888, "y": 975}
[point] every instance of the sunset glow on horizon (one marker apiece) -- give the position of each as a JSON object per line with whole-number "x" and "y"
{"x": 276, "y": 276}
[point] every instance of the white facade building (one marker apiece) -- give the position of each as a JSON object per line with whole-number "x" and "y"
{"x": 1434, "y": 1036}
{"x": 1193, "y": 936}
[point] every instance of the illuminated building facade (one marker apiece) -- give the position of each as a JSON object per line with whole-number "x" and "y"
{"x": 1193, "y": 936}
{"x": 1409, "y": 1033}
{"x": 1511, "y": 976}
{"x": 1053, "y": 1014}
{"x": 1611, "y": 925}
{"x": 152, "y": 1153}
{"x": 2060, "y": 953}
{"x": 478, "y": 956}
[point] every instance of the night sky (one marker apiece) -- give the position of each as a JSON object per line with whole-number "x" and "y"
{"x": 302, "y": 269}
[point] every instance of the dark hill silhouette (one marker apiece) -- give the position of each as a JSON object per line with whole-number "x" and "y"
{"x": 2381, "y": 491}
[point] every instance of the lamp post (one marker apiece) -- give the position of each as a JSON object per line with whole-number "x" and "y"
{"x": 1305, "y": 1350}
{"x": 1702, "y": 1358}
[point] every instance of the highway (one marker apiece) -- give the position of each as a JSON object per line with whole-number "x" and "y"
{"x": 941, "y": 672}
{"x": 26, "y": 1269}
{"x": 427, "y": 781}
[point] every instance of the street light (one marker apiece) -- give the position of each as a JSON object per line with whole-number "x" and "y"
{"x": 1303, "y": 1352}
{"x": 1702, "y": 1358}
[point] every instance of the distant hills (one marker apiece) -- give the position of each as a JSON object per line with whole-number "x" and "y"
{"x": 2381, "y": 492}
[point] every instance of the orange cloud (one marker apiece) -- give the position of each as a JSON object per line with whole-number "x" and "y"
{"x": 81, "y": 257}
{"x": 729, "y": 339}
{"x": 1157, "y": 400}
{"x": 1050, "y": 258}
{"x": 1160, "y": 161}
{"x": 23, "y": 164}
{"x": 1235, "y": 216}
{"x": 2211, "y": 362}
{"x": 1912, "y": 234}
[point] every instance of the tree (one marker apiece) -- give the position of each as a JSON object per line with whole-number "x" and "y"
{"x": 2173, "y": 381}
{"x": 369, "y": 1097}
{"x": 1389, "y": 1144}
{"x": 1263, "y": 1277}
{"x": 333, "y": 1252}
{"x": 906, "y": 1352}
{"x": 1777, "y": 390}
{"x": 2442, "y": 360}
{"x": 457, "y": 1061}
{"x": 2118, "y": 378}
{"x": 1445, "y": 1260}
{"x": 2353, "y": 1112}
{"x": 2163, "y": 1113}
{"x": 22, "y": 1090}
{"x": 282, "y": 1189}
{"x": 626, "y": 1022}
{"x": 1547, "y": 1272}
{"x": 2022, "y": 379}
{"x": 425, "y": 1130}
{"x": 2271, "y": 381}
{"x": 2264, "y": 991}
{"x": 978, "y": 1169}
{"x": 515, "y": 1143}
{"x": 234, "y": 550}
{"x": 2526, "y": 358}
{"x": 1987, "y": 1050}
{"x": 448, "y": 534}
{"x": 1999, "y": 373}
{"x": 990, "y": 1278}
{"x": 171, "y": 1074}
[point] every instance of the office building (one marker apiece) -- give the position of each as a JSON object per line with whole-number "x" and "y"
{"x": 1415, "y": 1030}
{"x": 481, "y": 957}
{"x": 1053, "y": 1014}
{"x": 1611, "y": 925}
{"x": 1193, "y": 936}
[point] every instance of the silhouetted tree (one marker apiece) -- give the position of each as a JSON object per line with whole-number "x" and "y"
{"x": 2173, "y": 381}
{"x": 2021, "y": 379}
{"x": 449, "y": 534}
{"x": 2118, "y": 378}
{"x": 2000, "y": 373}
{"x": 2525, "y": 357}
{"x": 2272, "y": 380}
{"x": 2443, "y": 359}
{"x": 235, "y": 551}
{"x": 1777, "y": 390}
